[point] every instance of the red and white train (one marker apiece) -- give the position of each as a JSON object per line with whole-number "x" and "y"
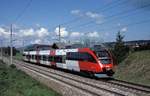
{"x": 99, "y": 63}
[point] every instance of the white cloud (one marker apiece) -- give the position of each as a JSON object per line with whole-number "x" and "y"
{"x": 75, "y": 34}
{"x": 75, "y": 12}
{"x": 92, "y": 15}
{"x": 27, "y": 32}
{"x": 42, "y": 36}
{"x": 42, "y": 32}
{"x": 37, "y": 41}
{"x": 124, "y": 29}
{"x": 89, "y": 14}
{"x": 93, "y": 34}
{"x": 63, "y": 31}
{"x": 29, "y": 35}
{"x": 4, "y": 33}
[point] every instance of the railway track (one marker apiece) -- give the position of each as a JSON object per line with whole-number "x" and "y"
{"x": 140, "y": 90}
{"x": 91, "y": 86}
{"x": 130, "y": 85}
{"x": 84, "y": 86}
{"x": 119, "y": 88}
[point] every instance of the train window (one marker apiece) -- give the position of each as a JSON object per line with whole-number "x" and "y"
{"x": 51, "y": 58}
{"x": 40, "y": 57}
{"x": 36, "y": 57}
{"x": 23, "y": 55}
{"x": 32, "y": 56}
{"x": 63, "y": 59}
{"x": 102, "y": 54}
{"x": 28, "y": 56}
{"x": 105, "y": 61}
{"x": 83, "y": 56}
{"x": 44, "y": 58}
{"x": 58, "y": 59}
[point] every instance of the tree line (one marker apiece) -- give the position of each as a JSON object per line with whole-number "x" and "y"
{"x": 6, "y": 51}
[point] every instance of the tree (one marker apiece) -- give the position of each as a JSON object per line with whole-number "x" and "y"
{"x": 120, "y": 50}
{"x": 7, "y": 51}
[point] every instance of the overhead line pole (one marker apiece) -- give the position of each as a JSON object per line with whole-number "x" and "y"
{"x": 59, "y": 34}
{"x": 23, "y": 45}
{"x": 11, "y": 47}
{"x": 1, "y": 50}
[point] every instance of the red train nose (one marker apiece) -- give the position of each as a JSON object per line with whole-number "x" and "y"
{"x": 108, "y": 71}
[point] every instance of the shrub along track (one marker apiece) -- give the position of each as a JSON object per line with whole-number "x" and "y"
{"x": 91, "y": 86}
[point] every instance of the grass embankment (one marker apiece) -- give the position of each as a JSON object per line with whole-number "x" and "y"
{"x": 135, "y": 68}
{"x": 18, "y": 56}
{"x": 14, "y": 82}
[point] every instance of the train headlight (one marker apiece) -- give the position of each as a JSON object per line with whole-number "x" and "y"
{"x": 108, "y": 68}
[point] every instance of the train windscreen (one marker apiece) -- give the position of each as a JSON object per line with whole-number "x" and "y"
{"x": 104, "y": 57}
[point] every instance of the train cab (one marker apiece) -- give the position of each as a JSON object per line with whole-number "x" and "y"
{"x": 105, "y": 60}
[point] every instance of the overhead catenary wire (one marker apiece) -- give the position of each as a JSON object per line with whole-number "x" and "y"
{"x": 128, "y": 25}
{"x": 102, "y": 9}
{"x": 107, "y": 6}
{"x": 23, "y": 11}
{"x": 110, "y": 17}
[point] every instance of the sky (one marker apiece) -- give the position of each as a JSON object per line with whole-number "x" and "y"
{"x": 37, "y": 21}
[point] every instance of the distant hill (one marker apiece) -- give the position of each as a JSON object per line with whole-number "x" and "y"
{"x": 135, "y": 68}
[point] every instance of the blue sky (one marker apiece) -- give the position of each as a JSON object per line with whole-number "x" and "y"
{"x": 97, "y": 19}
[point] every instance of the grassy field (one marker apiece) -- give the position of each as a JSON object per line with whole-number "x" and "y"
{"x": 135, "y": 68}
{"x": 14, "y": 82}
{"x": 18, "y": 56}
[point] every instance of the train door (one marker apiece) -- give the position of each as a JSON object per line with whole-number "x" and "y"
{"x": 52, "y": 62}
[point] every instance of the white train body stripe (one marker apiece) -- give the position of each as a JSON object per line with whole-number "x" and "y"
{"x": 72, "y": 65}
{"x": 61, "y": 65}
{"x": 26, "y": 53}
{"x": 32, "y": 53}
{"x": 60, "y": 52}
{"x": 41, "y": 61}
{"x": 64, "y": 51}
{"x": 44, "y": 52}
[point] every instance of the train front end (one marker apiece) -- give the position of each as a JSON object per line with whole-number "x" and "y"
{"x": 106, "y": 63}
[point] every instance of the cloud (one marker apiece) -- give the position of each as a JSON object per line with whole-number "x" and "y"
{"x": 27, "y": 32}
{"x": 4, "y": 32}
{"x": 75, "y": 12}
{"x": 42, "y": 32}
{"x": 93, "y": 34}
{"x": 89, "y": 14}
{"x": 41, "y": 35}
{"x": 63, "y": 31}
{"x": 37, "y": 41}
{"x": 92, "y": 15}
{"x": 29, "y": 35}
{"x": 124, "y": 29}
{"x": 75, "y": 34}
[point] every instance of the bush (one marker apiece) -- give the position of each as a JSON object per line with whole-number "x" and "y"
{"x": 13, "y": 66}
{"x": 120, "y": 51}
